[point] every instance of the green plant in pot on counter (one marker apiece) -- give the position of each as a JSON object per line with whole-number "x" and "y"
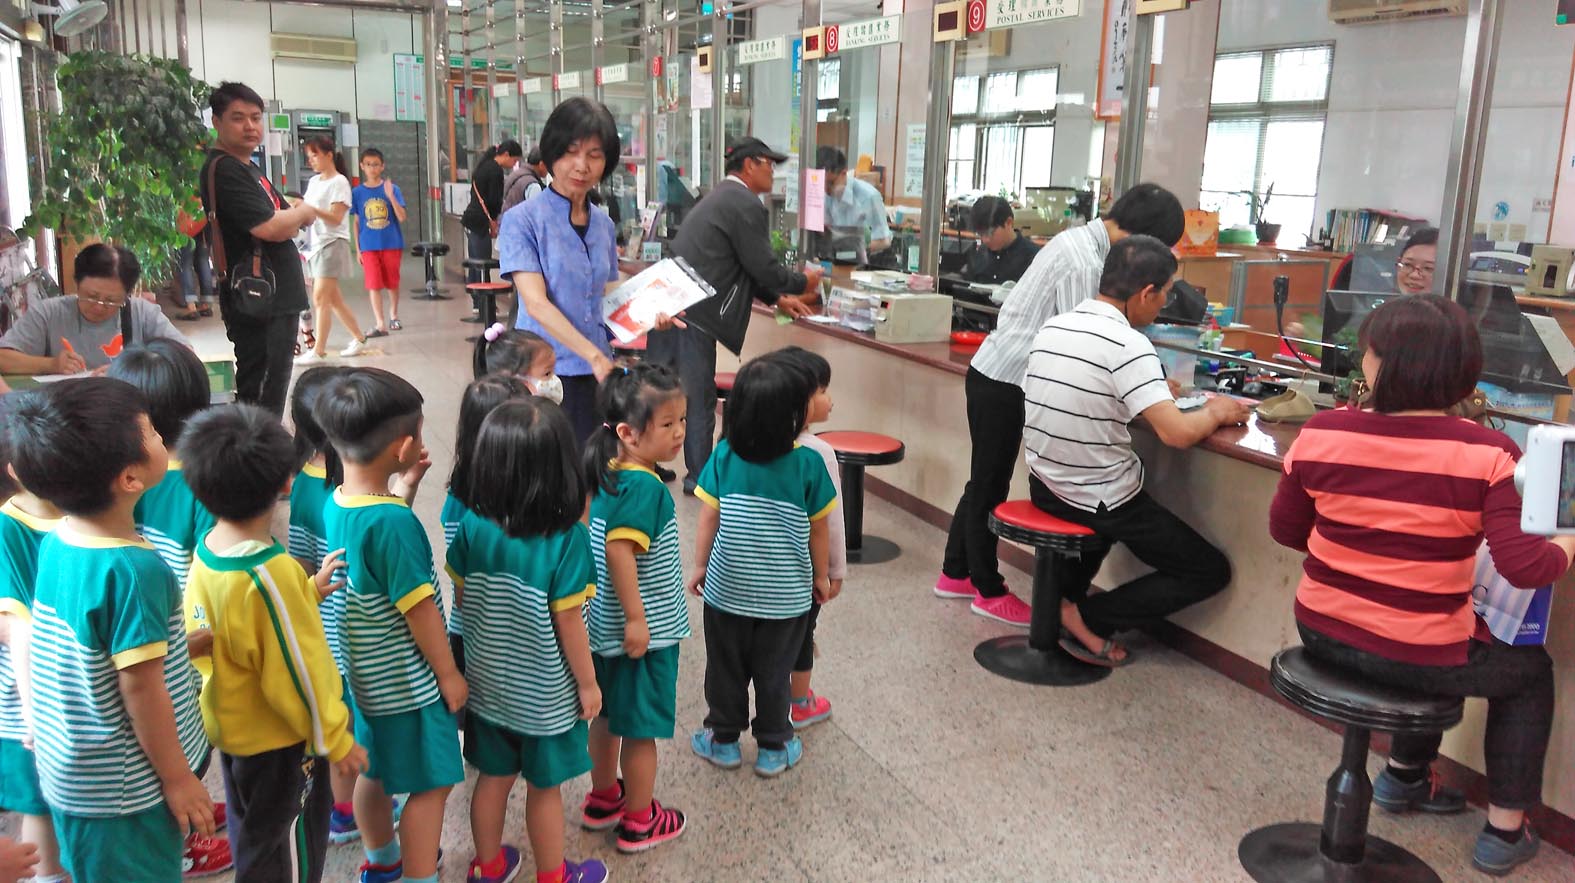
{"x": 1257, "y": 203}
{"x": 124, "y": 153}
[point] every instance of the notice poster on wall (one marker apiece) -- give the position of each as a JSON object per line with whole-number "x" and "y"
{"x": 699, "y": 86}
{"x": 410, "y": 96}
{"x": 913, "y": 163}
{"x": 1113, "y": 59}
{"x": 815, "y": 200}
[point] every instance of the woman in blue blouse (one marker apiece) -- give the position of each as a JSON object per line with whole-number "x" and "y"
{"x": 561, "y": 252}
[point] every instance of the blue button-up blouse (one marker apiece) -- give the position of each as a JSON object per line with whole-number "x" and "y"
{"x": 536, "y": 237}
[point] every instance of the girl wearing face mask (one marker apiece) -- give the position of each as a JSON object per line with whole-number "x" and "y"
{"x": 523, "y": 354}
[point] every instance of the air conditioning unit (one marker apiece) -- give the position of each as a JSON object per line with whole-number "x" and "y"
{"x": 313, "y": 48}
{"x": 1358, "y": 12}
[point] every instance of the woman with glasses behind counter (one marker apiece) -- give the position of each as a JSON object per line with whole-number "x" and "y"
{"x": 87, "y": 330}
{"x": 1418, "y": 260}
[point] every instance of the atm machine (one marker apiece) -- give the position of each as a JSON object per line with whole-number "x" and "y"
{"x": 304, "y": 125}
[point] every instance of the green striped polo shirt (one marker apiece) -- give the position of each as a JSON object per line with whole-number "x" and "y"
{"x": 170, "y": 517}
{"x": 759, "y": 564}
{"x": 514, "y": 664}
{"x": 308, "y": 544}
{"x": 104, "y": 605}
{"x": 389, "y": 562}
{"x": 640, "y": 510}
{"x": 20, "y": 536}
{"x": 451, "y": 513}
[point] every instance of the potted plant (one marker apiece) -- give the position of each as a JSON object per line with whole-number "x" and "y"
{"x": 1267, "y": 233}
{"x": 124, "y": 154}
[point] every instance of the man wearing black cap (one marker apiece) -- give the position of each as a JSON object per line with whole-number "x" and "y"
{"x": 727, "y": 240}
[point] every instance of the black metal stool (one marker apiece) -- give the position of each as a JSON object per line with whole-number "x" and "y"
{"x": 429, "y": 252}
{"x": 486, "y": 295}
{"x": 484, "y": 266}
{"x": 856, "y": 450}
{"x": 1340, "y": 849}
{"x": 1037, "y": 657}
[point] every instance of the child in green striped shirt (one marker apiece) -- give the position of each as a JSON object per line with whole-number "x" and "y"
{"x": 402, "y": 675}
{"x": 176, "y": 385}
{"x": 638, "y": 615}
{"x": 522, "y": 563}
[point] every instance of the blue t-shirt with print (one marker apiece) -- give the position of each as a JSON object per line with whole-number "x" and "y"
{"x": 377, "y": 227}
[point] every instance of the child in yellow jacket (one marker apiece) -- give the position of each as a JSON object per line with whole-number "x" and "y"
{"x": 271, "y": 698}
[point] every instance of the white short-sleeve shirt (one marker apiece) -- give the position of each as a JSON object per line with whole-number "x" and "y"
{"x": 322, "y": 194}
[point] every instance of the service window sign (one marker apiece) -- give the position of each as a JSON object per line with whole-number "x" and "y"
{"x": 614, "y": 73}
{"x": 569, "y": 80}
{"x": 533, "y": 85}
{"x": 756, "y": 51}
{"x": 1010, "y": 13}
{"x": 859, "y": 34}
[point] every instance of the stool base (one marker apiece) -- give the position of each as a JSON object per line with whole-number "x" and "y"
{"x": 471, "y": 320}
{"x": 429, "y": 294}
{"x": 874, "y": 550}
{"x": 1011, "y": 657}
{"x": 1288, "y": 853}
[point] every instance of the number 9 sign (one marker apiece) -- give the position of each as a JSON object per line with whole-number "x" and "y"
{"x": 975, "y": 16}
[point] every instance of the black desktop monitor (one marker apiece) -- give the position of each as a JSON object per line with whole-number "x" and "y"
{"x": 1513, "y": 355}
{"x": 1343, "y": 312}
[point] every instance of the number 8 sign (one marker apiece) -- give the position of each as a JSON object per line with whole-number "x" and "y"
{"x": 833, "y": 38}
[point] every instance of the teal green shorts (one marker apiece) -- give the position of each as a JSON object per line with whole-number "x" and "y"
{"x": 19, "y": 791}
{"x": 639, "y": 696}
{"x": 544, "y": 761}
{"x": 142, "y": 848}
{"x": 412, "y": 752}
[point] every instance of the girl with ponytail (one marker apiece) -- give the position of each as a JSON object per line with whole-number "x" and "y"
{"x": 328, "y": 193}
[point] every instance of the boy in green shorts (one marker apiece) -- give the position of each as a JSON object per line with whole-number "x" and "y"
{"x": 402, "y": 674}
{"x": 24, "y": 522}
{"x": 108, "y": 641}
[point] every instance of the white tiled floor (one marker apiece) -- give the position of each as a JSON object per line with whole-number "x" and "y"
{"x": 932, "y": 769}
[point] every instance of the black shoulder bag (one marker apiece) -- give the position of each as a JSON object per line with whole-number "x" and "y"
{"x": 249, "y": 284}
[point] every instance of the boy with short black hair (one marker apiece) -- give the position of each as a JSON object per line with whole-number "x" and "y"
{"x": 403, "y": 678}
{"x": 24, "y": 522}
{"x": 108, "y": 641}
{"x": 271, "y": 697}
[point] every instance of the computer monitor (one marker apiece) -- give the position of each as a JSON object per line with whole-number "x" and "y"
{"x": 1373, "y": 267}
{"x": 1513, "y": 355}
{"x": 843, "y": 245}
{"x": 1343, "y": 312}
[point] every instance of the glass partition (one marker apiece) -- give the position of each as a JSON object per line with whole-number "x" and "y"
{"x": 762, "y": 101}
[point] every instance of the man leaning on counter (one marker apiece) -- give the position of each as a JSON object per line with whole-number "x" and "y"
{"x": 851, "y": 202}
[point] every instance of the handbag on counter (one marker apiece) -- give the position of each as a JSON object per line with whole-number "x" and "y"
{"x": 250, "y": 283}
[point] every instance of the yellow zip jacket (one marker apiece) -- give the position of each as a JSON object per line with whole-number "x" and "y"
{"x": 271, "y": 682}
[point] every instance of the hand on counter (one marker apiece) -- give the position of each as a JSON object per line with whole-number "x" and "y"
{"x": 794, "y": 305}
{"x": 1227, "y": 410}
{"x": 1175, "y": 387}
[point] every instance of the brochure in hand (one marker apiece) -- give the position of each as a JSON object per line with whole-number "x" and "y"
{"x": 667, "y": 287}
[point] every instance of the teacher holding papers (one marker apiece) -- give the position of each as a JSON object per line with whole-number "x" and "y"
{"x": 561, "y": 253}
{"x": 87, "y": 330}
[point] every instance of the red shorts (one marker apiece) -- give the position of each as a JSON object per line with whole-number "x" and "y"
{"x": 381, "y": 268}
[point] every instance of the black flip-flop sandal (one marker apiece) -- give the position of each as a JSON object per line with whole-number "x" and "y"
{"x": 1075, "y": 648}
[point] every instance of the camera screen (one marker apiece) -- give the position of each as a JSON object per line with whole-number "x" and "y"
{"x": 1566, "y": 517}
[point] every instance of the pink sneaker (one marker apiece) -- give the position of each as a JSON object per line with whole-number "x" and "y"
{"x": 1007, "y": 608}
{"x": 812, "y": 710}
{"x": 951, "y": 587}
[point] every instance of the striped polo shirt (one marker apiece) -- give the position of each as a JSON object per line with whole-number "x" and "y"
{"x": 1089, "y": 375}
{"x": 640, "y": 510}
{"x": 451, "y": 513}
{"x": 104, "y": 605}
{"x": 389, "y": 564}
{"x": 514, "y": 664}
{"x": 20, "y": 536}
{"x": 759, "y": 564}
{"x": 1390, "y": 511}
{"x": 170, "y": 517}
{"x": 308, "y": 544}
{"x": 1064, "y": 274}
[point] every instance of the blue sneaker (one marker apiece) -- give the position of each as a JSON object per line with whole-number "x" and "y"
{"x": 774, "y": 762}
{"x": 588, "y": 871}
{"x": 393, "y": 873}
{"x": 343, "y": 829}
{"x": 1496, "y": 858}
{"x": 1427, "y": 794}
{"x": 511, "y": 868}
{"x": 722, "y": 754}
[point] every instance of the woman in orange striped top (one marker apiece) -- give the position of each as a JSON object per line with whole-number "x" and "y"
{"x": 1391, "y": 505}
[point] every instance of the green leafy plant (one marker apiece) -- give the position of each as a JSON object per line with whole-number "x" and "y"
{"x": 1257, "y": 203}
{"x": 124, "y": 155}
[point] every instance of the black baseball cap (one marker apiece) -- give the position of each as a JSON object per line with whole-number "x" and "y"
{"x": 745, "y": 148}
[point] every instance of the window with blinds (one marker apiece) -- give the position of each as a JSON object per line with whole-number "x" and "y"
{"x": 1266, "y": 122}
{"x": 1003, "y": 131}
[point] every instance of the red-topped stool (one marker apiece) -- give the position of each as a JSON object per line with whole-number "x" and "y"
{"x": 429, "y": 252}
{"x": 856, "y": 450}
{"x": 1037, "y": 657}
{"x": 486, "y": 294}
{"x": 484, "y": 266}
{"x": 724, "y": 386}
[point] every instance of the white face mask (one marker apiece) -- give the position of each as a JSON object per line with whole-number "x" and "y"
{"x": 549, "y": 387}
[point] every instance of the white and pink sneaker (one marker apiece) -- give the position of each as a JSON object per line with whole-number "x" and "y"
{"x": 951, "y": 587}
{"x": 1007, "y": 608}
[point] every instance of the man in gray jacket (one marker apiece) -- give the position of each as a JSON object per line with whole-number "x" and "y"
{"x": 727, "y": 240}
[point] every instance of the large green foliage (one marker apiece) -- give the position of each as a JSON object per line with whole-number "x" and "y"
{"x": 124, "y": 154}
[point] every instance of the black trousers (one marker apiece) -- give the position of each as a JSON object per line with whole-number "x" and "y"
{"x": 806, "y": 651}
{"x": 279, "y": 803}
{"x": 1187, "y": 568}
{"x": 264, "y": 354}
{"x": 579, "y": 402}
{"x": 1518, "y": 684}
{"x": 995, "y": 426}
{"x": 740, "y": 650}
{"x": 691, "y": 354}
